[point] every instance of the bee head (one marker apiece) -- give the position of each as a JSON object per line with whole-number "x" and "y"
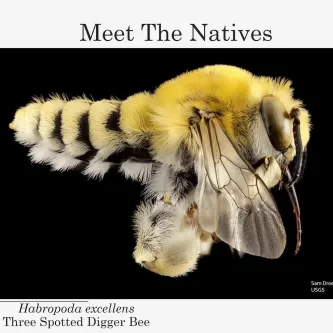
{"x": 169, "y": 241}
{"x": 281, "y": 124}
{"x": 288, "y": 131}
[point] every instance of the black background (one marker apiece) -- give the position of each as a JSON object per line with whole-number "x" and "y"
{"x": 64, "y": 236}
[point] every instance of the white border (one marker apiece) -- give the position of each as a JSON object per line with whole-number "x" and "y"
{"x": 56, "y": 24}
{"x": 259, "y": 316}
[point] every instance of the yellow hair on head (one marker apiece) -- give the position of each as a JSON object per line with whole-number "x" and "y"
{"x": 280, "y": 88}
{"x": 305, "y": 121}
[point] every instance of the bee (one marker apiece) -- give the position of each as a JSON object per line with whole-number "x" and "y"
{"x": 208, "y": 146}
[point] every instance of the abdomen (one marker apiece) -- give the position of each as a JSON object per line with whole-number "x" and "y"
{"x": 76, "y": 134}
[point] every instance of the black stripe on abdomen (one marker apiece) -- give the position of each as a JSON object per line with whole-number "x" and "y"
{"x": 128, "y": 153}
{"x": 84, "y": 137}
{"x": 112, "y": 122}
{"x": 56, "y": 133}
{"x": 83, "y": 129}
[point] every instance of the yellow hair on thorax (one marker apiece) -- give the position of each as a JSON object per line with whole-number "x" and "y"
{"x": 281, "y": 88}
{"x": 223, "y": 89}
{"x": 232, "y": 92}
{"x": 218, "y": 86}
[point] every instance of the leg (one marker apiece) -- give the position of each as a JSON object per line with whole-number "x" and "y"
{"x": 169, "y": 238}
{"x": 169, "y": 184}
{"x": 270, "y": 172}
{"x": 167, "y": 243}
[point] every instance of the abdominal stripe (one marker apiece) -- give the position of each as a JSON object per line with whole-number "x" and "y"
{"x": 84, "y": 137}
{"x": 83, "y": 130}
{"x": 112, "y": 122}
{"x": 56, "y": 133}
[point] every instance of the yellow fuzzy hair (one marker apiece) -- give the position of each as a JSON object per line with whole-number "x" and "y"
{"x": 306, "y": 126}
{"x": 135, "y": 114}
{"x": 100, "y": 135}
{"x": 162, "y": 117}
{"x": 72, "y": 112}
{"x": 48, "y": 113}
{"x": 25, "y": 124}
{"x": 230, "y": 91}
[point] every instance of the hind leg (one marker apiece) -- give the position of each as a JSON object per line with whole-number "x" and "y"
{"x": 169, "y": 238}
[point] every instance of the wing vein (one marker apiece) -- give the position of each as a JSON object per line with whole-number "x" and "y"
{"x": 250, "y": 225}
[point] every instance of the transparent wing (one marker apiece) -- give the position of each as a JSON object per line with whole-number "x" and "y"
{"x": 232, "y": 200}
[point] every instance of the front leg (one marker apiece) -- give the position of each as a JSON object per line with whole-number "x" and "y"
{"x": 270, "y": 172}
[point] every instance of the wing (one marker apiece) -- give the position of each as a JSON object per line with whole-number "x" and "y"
{"x": 232, "y": 199}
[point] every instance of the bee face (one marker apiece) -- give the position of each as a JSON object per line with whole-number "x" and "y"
{"x": 279, "y": 122}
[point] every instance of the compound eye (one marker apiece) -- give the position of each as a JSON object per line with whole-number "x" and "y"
{"x": 278, "y": 122}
